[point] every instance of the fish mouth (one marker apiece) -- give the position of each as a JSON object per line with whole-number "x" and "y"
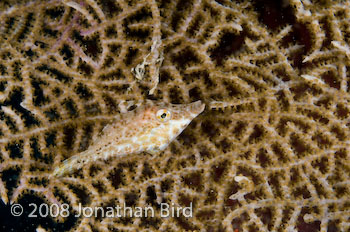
{"x": 196, "y": 107}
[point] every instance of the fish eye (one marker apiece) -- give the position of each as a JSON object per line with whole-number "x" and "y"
{"x": 163, "y": 115}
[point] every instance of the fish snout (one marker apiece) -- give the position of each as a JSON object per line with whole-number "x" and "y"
{"x": 195, "y": 108}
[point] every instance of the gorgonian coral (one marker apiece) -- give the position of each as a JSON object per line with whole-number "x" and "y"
{"x": 270, "y": 152}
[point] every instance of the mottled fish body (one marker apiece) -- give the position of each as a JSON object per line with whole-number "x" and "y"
{"x": 151, "y": 127}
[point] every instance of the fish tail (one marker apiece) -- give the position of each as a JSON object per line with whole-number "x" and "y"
{"x": 67, "y": 166}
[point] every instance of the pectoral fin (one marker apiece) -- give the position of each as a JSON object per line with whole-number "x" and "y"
{"x": 154, "y": 151}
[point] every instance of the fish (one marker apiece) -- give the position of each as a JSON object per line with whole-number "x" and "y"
{"x": 150, "y": 128}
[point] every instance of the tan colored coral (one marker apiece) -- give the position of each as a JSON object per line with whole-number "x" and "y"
{"x": 270, "y": 152}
